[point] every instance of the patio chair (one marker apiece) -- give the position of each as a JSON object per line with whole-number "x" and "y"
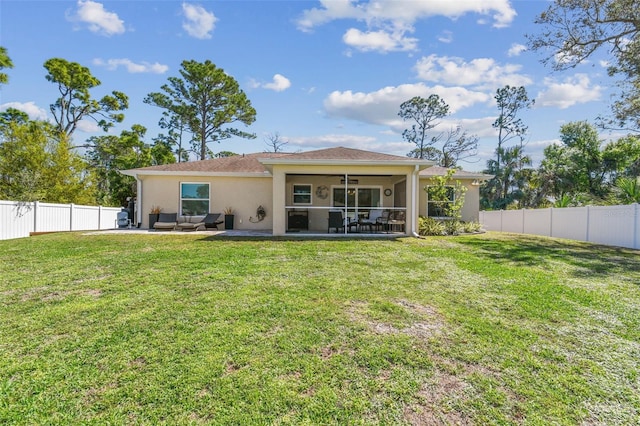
{"x": 372, "y": 220}
{"x": 335, "y": 220}
{"x": 166, "y": 221}
{"x": 212, "y": 220}
{"x": 383, "y": 220}
{"x": 397, "y": 220}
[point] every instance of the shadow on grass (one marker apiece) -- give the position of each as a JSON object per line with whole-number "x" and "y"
{"x": 254, "y": 238}
{"x": 588, "y": 259}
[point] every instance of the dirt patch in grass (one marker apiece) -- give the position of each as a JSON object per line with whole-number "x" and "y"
{"x": 46, "y": 294}
{"x": 438, "y": 393}
{"x": 420, "y": 321}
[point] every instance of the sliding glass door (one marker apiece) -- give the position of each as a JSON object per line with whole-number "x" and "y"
{"x": 357, "y": 198}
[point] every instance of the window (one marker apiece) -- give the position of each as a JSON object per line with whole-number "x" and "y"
{"x": 360, "y": 197}
{"x": 301, "y": 194}
{"x": 439, "y": 200}
{"x": 194, "y": 199}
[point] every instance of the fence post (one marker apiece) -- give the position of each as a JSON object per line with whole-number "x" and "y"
{"x": 551, "y": 221}
{"x": 501, "y": 227}
{"x": 99, "y": 218}
{"x": 71, "y": 217}
{"x": 35, "y": 215}
{"x": 636, "y": 218}
{"x": 588, "y": 225}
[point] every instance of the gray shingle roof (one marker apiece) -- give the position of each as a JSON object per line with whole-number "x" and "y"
{"x": 252, "y": 163}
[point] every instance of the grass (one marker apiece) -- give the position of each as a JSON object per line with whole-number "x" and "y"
{"x": 151, "y": 329}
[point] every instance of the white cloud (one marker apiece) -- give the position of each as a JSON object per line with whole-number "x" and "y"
{"x": 381, "y": 41}
{"x": 381, "y": 107}
{"x": 89, "y": 126}
{"x": 98, "y": 19}
{"x": 480, "y": 72}
{"x": 132, "y": 67}
{"x": 445, "y": 37}
{"x": 278, "y": 84}
{"x": 33, "y": 111}
{"x": 516, "y": 49}
{"x": 573, "y": 90}
{"x": 331, "y": 140}
{"x": 198, "y": 21}
{"x": 403, "y": 13}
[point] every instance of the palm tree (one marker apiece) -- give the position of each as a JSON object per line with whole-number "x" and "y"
{"x": 628, "y": 190}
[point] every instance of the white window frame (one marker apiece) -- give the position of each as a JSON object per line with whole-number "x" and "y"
{"x": 450, "y": 202}
{"x": 208, "y": 199}
{"x": 293, "y": 194}
{"x": 356, "y": 188}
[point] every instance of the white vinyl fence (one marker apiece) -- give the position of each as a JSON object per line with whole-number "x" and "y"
{"x": 19, "y": 219}
{"x": 608, "y": 225}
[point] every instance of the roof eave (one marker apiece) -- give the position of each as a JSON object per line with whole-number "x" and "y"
{"x": 422, "y": 164}
{"x": 141, "y": 172}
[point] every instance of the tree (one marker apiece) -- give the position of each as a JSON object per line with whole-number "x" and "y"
{"x": 458, "y": 145}
{"x": 5, "y": 62}
{"x": 627, "y": 190}
{"x": 510, "y": 101}
{"x": 225, "y": 154}
{"x": 574, "y": 30}
{"x": 510, "y": 179}
{"x": 75, "y": 102}
{"x": 274, "y": 142}
{"x": 109, "y": 154}
{"x": 207, "y": 100}
{"x": 446, "y": 195}
{"x": 576, "y": 167}
{"x": 36, "y": 163}
{"x": 622, "y": 158}
{"x": 174, "y": 139}
{"x": 426, "y": 113}
{"x": 13, "y": 115}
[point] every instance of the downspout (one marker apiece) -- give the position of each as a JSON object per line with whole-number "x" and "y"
{"x": 414, "y": 201}
{"x": 139, "y": 200}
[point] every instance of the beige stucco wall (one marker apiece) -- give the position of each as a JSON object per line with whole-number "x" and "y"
{"x": 470, "y": 208}
{"x": 244, "y": 194}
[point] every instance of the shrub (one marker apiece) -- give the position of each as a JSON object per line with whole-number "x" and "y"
{"x": 428, "y": 226}
{"x": 471, "y": 227}
{"x": 452, "y": 227}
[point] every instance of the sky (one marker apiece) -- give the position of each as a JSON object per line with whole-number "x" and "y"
{"x": 320, "y": 74}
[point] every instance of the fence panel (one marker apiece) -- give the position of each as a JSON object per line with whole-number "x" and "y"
{"x": 491, "y": 221}
{"x": 537, "y": 222}
{"x": 18, "y": 220}
{"x": 612, "y": 225}
{"x": 52, "y": 217}
{"x": 570, "y": 223}
{"x": 608, "y": 225}
{"x": 512, "y": 221}
{"x": 636, "y": 226}
{"x": 85, "y": 218}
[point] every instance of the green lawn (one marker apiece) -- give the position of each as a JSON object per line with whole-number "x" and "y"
{"x": 182, "y": 329}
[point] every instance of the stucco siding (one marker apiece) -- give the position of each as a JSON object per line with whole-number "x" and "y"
{"x": 470, "y": 208}
{"x": 243, "y": 194}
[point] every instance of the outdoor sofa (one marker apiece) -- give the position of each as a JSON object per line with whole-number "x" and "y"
{"x": 166, "y": 222}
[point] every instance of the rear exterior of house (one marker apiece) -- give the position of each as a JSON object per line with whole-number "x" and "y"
{"x": 298, "y": 191}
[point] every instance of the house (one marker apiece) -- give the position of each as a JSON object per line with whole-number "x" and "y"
{"x": 297, "y": 190}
